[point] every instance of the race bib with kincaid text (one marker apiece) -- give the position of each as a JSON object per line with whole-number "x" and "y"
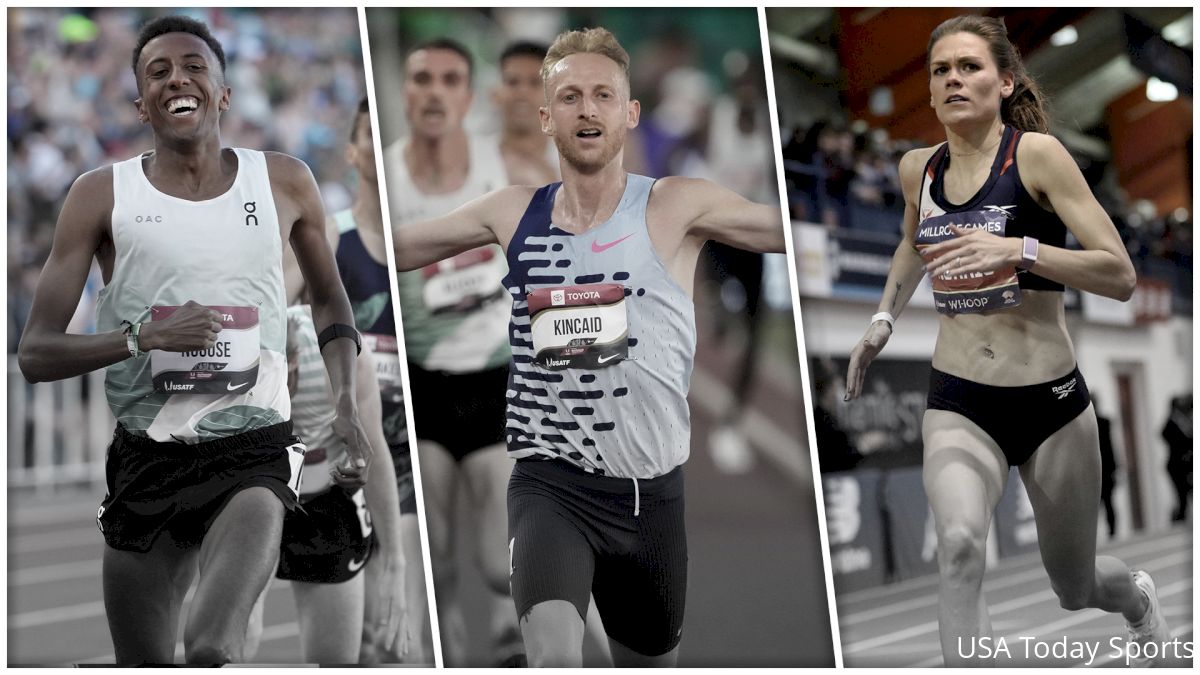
{"x": 229, "y": 366}
{"x": 975, "y": 291}
{"x": 464, "y": 282}
{"x": 579, "y": 326}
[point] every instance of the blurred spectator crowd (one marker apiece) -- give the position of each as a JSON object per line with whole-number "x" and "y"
{"x": 296, "y": 75}
{"x": 847, "y": 177}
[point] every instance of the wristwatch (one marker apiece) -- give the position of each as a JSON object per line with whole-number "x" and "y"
{"x": 1029, "y": 253}
{"x": 131, "y": 338}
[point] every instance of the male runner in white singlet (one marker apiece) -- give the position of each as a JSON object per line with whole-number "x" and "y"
{"x": 191, "y": 329}
{"x": 603, "y": 337}
{"x": 340, "y": 531}
{"x": 455, "y": 339}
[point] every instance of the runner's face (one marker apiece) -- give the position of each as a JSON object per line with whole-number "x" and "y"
{"x": 520, "y": 93}
{"x": 964, "y": 82}
{"x": 588, "y": 110}
{"x": 182, "y": 88}
{"x": 360, "y": 154}
{"x": 437, "y": 91}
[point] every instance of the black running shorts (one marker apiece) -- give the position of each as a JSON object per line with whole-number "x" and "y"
{"x": 402, "y": 466}
{"x": 462, "y": 412}
{"x": 571, "y": 533}
{"x": 329, "y": 540}
{"x": 155, "y": 487}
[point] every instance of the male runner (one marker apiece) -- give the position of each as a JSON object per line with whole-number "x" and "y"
{"x": 357, "y": 236}
{"x": 191, "y": 328}
{"x": 326, "y": 546}
{"x": 529, "y": 156}
{"x": 603, "y": 338}
{"x": 455, "y": 337}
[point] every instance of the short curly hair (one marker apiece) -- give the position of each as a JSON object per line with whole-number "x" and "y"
{"x": 176, "y": 24}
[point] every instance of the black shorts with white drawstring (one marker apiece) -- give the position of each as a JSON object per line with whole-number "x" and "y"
{"x": 572, "y": 533}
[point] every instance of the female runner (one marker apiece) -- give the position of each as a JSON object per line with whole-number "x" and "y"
{"x": 986, "y": 214}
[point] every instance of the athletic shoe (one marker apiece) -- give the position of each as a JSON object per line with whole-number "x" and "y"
{"x": 1152, "y": 628}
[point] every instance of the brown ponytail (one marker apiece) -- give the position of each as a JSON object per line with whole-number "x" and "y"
{"x": 1025, "y": 109}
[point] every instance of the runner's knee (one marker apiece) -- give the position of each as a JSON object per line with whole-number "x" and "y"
{"x": 961, "y": 553}
{"x": 206, "y": 651}
{"x": 1072, "y": 597}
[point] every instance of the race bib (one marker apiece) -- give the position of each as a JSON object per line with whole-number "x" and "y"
{"x": 464, "y": 282}
{"x": 977, "y": 291}
{"x": 579, "y": 326}
{"x": 229, "y": 366}
{"x": 387, "y": 366}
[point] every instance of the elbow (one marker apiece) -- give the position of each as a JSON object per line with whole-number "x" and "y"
{"x": 27, "y": 361}
{"x": 1126, "y": 283}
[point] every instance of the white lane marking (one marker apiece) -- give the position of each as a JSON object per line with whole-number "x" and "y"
{"x": 60, "y": 572}
{"x": 276, "y": 632}
{"x": 52, "y": 541}
{"x": 992, "y": 585}
{"x": 1129, "y": 548}
{"x": 1019, "y": 602}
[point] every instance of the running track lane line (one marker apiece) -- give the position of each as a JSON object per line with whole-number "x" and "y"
{"x": 879, "y": 593}
{"x": 996, "y": 584}
{"x": 277, "y": 632}
{"x": 1016, "y": 603}
{"x": 1050, "y": 630}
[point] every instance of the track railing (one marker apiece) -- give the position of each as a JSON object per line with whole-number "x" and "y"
{"x": 57, "y": 431}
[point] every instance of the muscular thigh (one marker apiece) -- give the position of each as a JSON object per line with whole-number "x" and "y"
{"x": 641, "y": 593}
{"x": 1062, "y": 480}
{"x": 439, "y": 485}
{"x": 964, "y": 472}
{"x": 550, "y": 556}
{"x": 487, "y": 471}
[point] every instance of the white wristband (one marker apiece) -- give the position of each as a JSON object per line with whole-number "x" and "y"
{"x": 884, "y": 316}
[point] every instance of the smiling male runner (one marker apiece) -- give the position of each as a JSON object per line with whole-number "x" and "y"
{"x": 191, "y": 328}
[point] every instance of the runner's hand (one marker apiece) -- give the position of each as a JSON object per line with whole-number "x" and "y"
{"x": 351, "y": 472}
{"x": 863, "y": 354}
{"x": 191, "y": 327}
{"x": 388, "y": 619}
{"x": 971, "y": 251}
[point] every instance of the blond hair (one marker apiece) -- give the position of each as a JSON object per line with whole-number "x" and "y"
{"x": 587, "y": 41}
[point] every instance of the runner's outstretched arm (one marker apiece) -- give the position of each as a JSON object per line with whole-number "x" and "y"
{"x": 471, "y": 225}
{"x": 723, "y": 215}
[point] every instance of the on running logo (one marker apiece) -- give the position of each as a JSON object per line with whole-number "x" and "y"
{"x": 511, "y": 543}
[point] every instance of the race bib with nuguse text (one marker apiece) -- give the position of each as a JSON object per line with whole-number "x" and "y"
{"x": 977, "y": 291}
{"x": 387, "y": 366}
{"x": 465, "y": 282}
{"x": 229, "y": 366}
{"x": 579, "y": 326}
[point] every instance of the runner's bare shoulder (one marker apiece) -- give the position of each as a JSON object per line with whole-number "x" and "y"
{"x": 89, "y": 203}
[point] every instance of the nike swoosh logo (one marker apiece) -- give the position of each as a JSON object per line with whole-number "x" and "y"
{"x": 234, "y": 387}
{"x": 606, "y": 359}
{"x": 356, "y": 565}
{"x": 601, "y": 248}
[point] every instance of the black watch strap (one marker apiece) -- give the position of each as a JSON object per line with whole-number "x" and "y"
{"x": 339, "y": 330}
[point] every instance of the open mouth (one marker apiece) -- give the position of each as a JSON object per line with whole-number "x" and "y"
{"x": 956, "y": 99}
{"x": 588, "y": 133}
{"x": 183, "y": 106}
